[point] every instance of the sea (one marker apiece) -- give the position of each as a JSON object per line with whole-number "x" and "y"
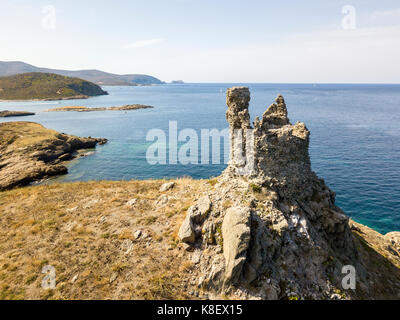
{"x": 355, "y": 136}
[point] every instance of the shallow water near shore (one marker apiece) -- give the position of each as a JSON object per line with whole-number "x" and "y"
{"x": 355, "y": 136}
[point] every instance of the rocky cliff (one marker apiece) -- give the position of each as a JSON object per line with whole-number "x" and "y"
{"x": 46, "y": 86}
{"x": 30, "y": 152}
{"x": 271, "y": 229}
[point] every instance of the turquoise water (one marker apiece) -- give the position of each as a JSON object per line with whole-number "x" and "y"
{"x": 355, "y": 136}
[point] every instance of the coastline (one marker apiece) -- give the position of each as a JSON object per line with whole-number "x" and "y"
{"x": 79, "y": 97}
{"x": 29, "y": 152}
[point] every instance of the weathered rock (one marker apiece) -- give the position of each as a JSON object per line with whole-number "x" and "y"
{"x": 204, "y": 206}
{"x": 296, "y": 240}
{"x": 236, "y": 240}
{"x": 137, "y": 234}
{"x": 113, "y": 277}
{"x": 200, "y": 211}
{"x": 127, "y": 246}
{"x": 194, "y": 215}
{"x": 162, "y": 200}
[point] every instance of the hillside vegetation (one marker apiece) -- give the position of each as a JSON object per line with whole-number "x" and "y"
{"x": 30, "y": 152}
{"x": 96, "y": 76}
{"x": 46, "y": 86}
{"x": 106, "y": 240}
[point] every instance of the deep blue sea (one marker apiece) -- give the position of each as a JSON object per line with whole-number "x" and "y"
{"x": 355, "y": 136}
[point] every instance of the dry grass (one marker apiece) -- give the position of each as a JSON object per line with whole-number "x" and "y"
{"x": 86, "y": 231}
{"x": 24, "y": 134}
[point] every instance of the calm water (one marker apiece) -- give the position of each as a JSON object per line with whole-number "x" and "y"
{"x": 355, "y": 136}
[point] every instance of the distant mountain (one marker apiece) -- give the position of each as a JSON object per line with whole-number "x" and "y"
{"x": 46, "y": 86}
{"x": 96, "y": 76}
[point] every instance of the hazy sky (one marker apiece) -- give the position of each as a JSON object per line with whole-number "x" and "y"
{"x": 209, "y": 41}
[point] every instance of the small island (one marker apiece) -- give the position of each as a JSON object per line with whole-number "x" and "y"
{"x": 37, "y": 86}
{"x": 8, "y": 114}
{"x": 271, "y": 232}
{"x": 86, "y": 109}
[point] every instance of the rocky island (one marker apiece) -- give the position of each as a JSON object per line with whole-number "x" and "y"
{"x": 267, "y": 228}
{"x": 9, "y": 114}
{"x": 46, "y": 86}
{"x": 30, "y": 152}
{"x": 271, "y": 228}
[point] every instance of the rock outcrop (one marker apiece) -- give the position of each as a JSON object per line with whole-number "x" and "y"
{"x": 274, "y": 230}
{"x": 236, "y": 241}
{"x": 29, "y": 152}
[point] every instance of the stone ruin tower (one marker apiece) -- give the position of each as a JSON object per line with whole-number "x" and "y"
{"x": 269, "y": 224}
{"x": 272, "y": 151}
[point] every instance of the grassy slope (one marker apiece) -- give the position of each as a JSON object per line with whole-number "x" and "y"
{"x": 30, "y": 152}
{"x": 29, "y": 86}
{"x": 81, "y": 229}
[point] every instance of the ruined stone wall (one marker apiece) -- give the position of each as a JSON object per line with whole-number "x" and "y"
{"x": 273, "y": 151}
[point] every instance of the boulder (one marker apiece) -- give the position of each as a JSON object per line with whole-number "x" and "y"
{"x": 236, "y": 240}
{"x": 131, "y": 202}
{"x": 198, "y": 213}
{"x": 186, "y": 232}
{"x": 204, "y": 206}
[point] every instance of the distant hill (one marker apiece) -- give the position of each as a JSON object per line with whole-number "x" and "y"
{"x": 46, "y": 86}
{"x": 96, "y": 76}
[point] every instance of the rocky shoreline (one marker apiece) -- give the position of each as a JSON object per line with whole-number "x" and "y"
{"x": 29, "y": 152}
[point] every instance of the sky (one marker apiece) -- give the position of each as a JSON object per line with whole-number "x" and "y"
{"x": 309, "y": 41}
